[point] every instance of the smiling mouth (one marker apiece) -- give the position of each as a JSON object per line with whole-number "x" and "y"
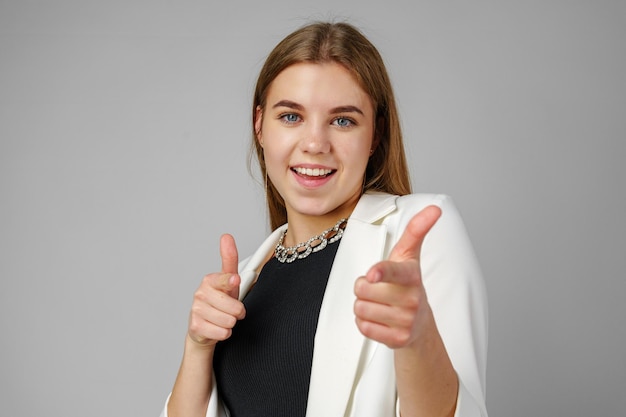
{"x": 313, "y": 172}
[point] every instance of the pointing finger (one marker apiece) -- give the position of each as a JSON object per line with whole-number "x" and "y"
{"x": 403, "y": 273}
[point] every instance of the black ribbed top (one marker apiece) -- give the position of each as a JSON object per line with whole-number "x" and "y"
{"x": 264, "y": 368}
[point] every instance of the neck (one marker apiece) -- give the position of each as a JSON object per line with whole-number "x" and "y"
{"x": 302, "y": 227}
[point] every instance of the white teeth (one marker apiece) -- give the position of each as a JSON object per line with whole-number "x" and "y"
{"x": 313, "y": 172}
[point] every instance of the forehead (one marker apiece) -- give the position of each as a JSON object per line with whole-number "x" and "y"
{"x": 318, "y": 85}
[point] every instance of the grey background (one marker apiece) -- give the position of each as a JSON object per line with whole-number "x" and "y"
{"x": 124, "y": 129}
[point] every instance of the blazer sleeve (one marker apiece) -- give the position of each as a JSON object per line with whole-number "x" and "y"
{"x": 456, "y": 293}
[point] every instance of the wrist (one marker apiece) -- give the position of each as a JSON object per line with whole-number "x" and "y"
{"x": 195, "y": 347}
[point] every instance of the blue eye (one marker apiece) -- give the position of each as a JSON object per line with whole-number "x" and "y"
{"x": 343, "y": 122}
{"x": 290, "y": 118}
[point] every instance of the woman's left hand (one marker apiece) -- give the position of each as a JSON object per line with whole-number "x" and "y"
{"x": 391, "y": 305}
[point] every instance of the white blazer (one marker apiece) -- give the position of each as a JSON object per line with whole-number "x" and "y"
{"x": 353, "y": 376}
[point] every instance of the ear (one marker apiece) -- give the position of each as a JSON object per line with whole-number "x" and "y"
{"x": 258, "y": 122}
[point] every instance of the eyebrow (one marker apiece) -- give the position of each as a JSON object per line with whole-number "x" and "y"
{"x": 289, "y": 104}
{"x": 296, "y": 106}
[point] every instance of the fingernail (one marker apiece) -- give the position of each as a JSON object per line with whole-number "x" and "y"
{"x": 377, "y": 276}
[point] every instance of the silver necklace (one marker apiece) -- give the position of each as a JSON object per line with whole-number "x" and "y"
{"x": 315, "y": 244}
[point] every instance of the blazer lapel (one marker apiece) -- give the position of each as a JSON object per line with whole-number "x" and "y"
{"x": 337, "y": 357}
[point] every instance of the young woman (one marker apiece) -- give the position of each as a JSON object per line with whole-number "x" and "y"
{"x": 366, "y": 300}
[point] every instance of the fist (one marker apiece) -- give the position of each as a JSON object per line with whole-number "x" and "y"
{"x": 216, "y": 307}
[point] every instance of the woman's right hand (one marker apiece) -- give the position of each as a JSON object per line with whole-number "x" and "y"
{"x": 216, "y": 307}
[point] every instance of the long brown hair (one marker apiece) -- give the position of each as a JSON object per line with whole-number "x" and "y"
{"x": 344, "y": 44}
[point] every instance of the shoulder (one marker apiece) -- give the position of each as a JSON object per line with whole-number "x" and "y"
{"x": 448, "y": 237}
{"x": 408, "y": 201}
{"x": 377, "y": 207}
{"x": 418, "y": 201}
{"x": 406, "y": 206}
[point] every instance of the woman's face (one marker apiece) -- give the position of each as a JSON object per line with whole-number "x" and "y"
{"x": 317, "y": 131}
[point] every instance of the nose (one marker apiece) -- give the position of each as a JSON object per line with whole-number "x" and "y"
{"x": 315, "y": 139}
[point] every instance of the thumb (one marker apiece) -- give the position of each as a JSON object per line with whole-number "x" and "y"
{"x": 230, "y": 261}
{"x": 229, "y": 255}
{"x": 410, "y": 243}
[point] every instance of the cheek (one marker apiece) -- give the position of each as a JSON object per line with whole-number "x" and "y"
{"x": 276, "y": 155}
{"x": 357, "y": 154}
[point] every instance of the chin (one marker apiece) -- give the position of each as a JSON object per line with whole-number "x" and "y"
{"x": 313, "y": 207}
{"x": 323, "y": 205}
